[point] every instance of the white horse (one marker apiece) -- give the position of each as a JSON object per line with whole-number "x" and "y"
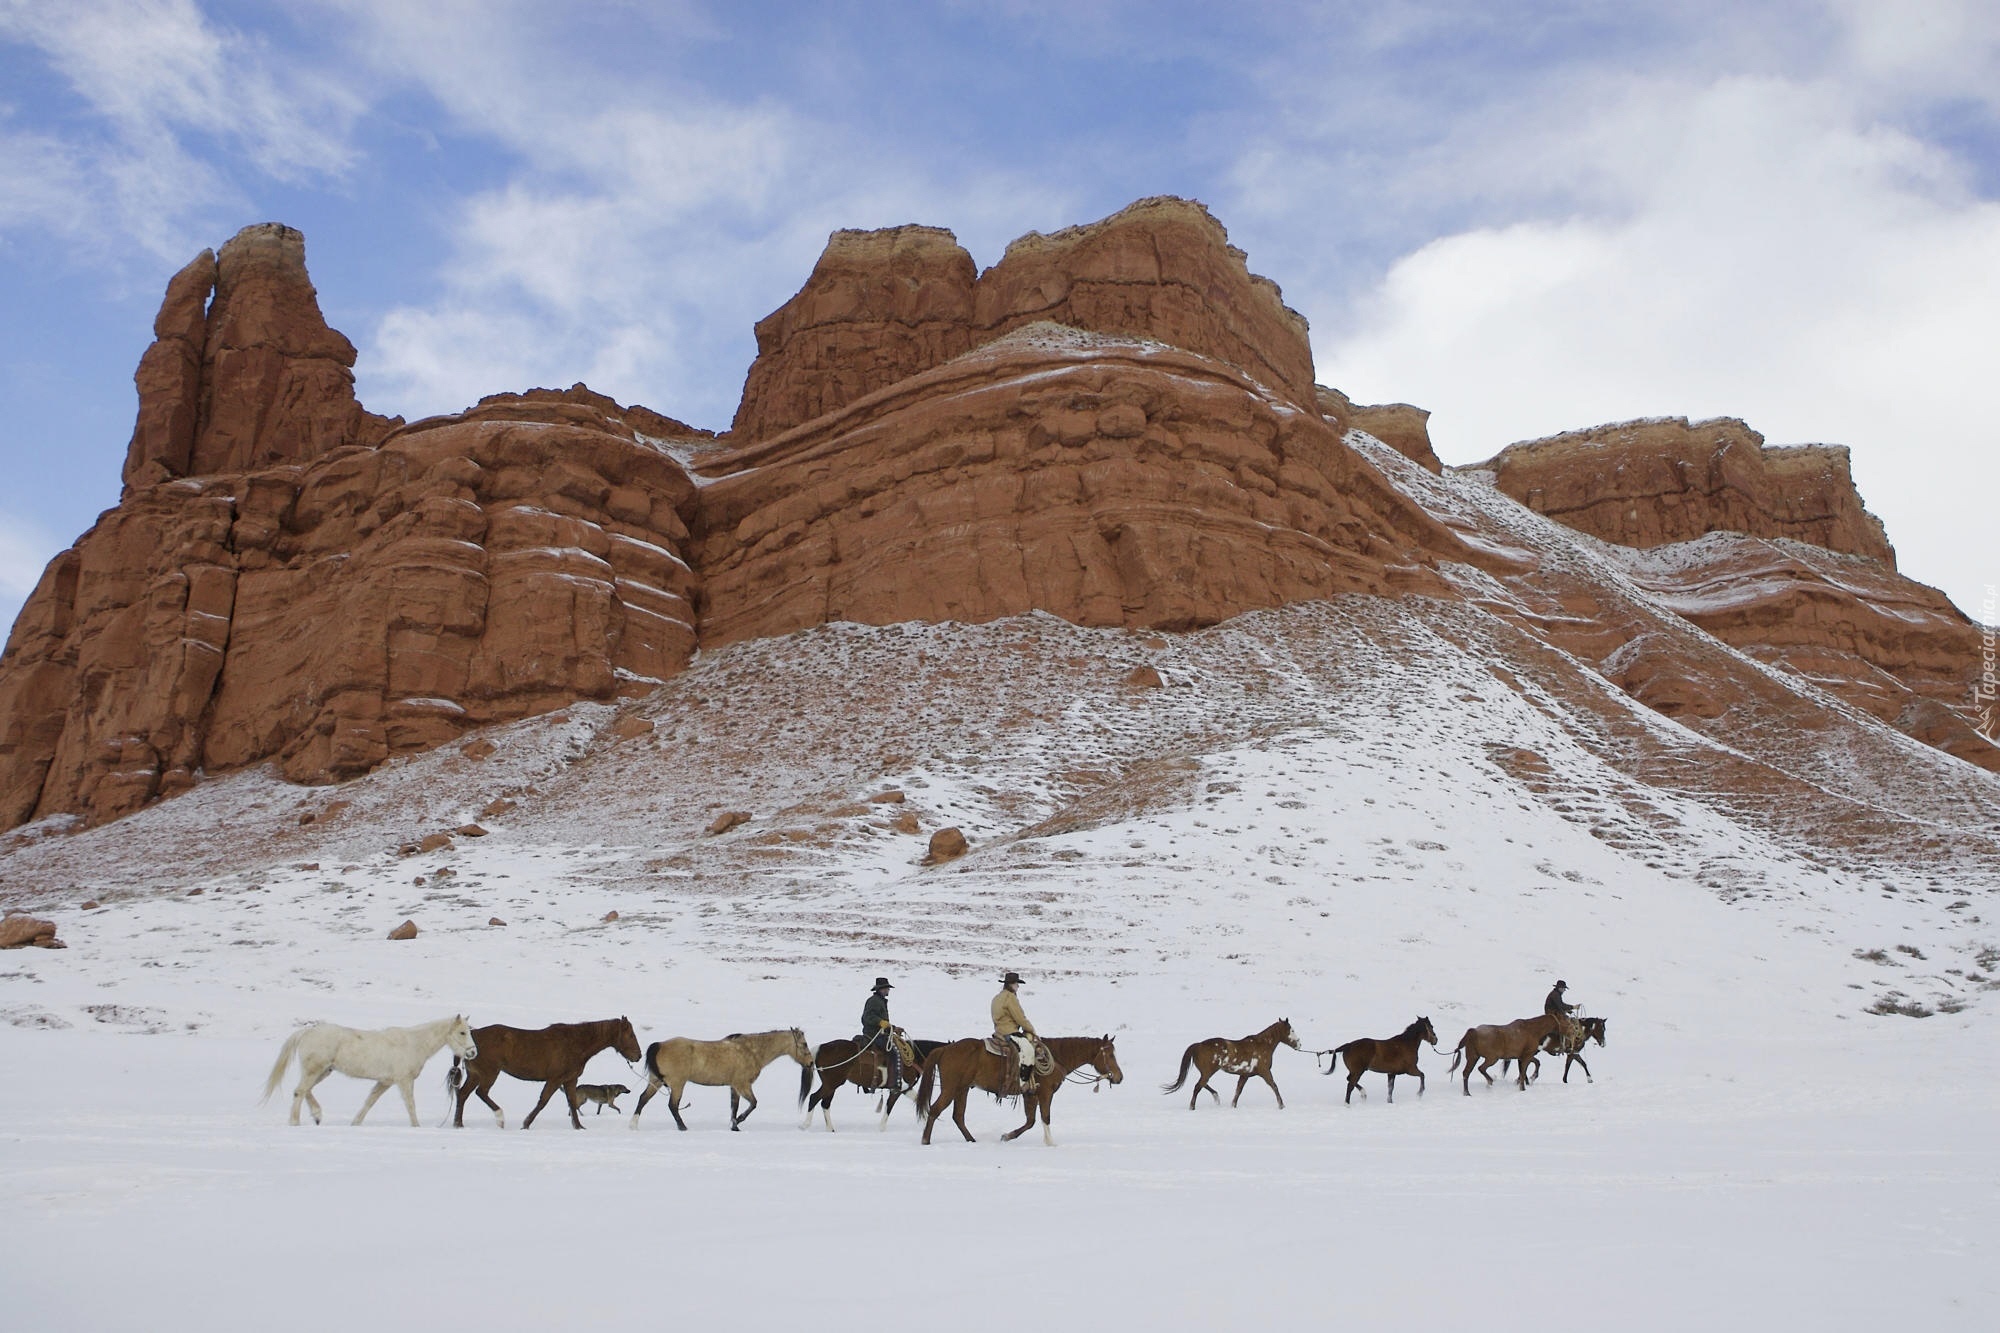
{"x": 387, "y": 1055}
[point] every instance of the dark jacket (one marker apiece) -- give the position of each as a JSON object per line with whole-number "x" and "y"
{"x": 874, "y": 1015}
{"x": 1555, "y": 1004}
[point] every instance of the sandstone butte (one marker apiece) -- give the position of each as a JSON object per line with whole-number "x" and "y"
{"x": 1116, "y": 423}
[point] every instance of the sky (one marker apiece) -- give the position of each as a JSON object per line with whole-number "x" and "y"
{"x": 1526, "y": 218}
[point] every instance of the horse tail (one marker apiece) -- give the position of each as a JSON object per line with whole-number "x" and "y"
{"x": 1187, "y": 1058}
{"x": 454, "y": 1078}
{"x": 652, "y": 1069}
{"x": 1457, "y": 1052}
{"x": 285, "y": 1053}
{"x": 924, "y": 1084}
{"x": 806, "y": 1079}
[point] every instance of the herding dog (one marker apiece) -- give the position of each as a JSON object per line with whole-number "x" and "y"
{"x": 604, "y": 1094}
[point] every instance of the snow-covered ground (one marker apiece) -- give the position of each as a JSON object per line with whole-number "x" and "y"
{"x": 1349, "y": 844}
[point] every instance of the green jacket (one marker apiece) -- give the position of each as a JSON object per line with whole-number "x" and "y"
{"x": 874, "y": 1015}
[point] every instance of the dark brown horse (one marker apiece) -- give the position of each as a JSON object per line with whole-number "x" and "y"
{"x": 842, "y": 1061}
{"x": 1247, "y": 1058}
{"x": 1386, "y": 1055}
{"x": 555, "y": 1054}
{"x": 1592, "y": 1029}
{"x": 956, "y": 1068}
{"x": 1495, "y": 1043}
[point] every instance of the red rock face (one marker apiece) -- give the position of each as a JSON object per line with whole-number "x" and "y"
{"x": 884, "y": 305}
{"x": 1109, "y": 481}
{"x": 1116, "y": 424}
{"x": 1771, "y": 551}
{"x": 376, "y": 601}
{"x": 1647, "y": 483}
{"x": 252, "y": 379}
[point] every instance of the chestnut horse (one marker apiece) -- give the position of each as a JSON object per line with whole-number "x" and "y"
{"x": 1247, "y": 1058}
{"x": 1492, "y": 1043}
{"x": 1386, "y": 1055}
{"x": 555, "y": 1054}
{"x": 958, "y": 1067}
{"x": 841, "y": 1061}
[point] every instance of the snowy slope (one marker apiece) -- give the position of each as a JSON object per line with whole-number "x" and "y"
{"x": 1350, "y": 813}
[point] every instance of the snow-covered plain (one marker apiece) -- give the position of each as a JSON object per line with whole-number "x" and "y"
{"x": 1349, "y": 813}
{"x": 1349, "y": 843}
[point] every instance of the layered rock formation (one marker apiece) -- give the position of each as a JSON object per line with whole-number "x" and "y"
{"x": 881, "y": 306}
{"x": 1648, "y": 483}
{"x": 1770, "y": 550}
{"x": 253, "y": 378}
{"x": 1110, "y": 481}
{"x": 1116, "y": 424}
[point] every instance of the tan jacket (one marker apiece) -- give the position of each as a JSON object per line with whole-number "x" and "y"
{"x": 1007, "y": 1016}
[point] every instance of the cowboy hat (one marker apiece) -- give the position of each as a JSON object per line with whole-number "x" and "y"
{"x": 882, "y": 983}
{"x": 1012, "y": 979}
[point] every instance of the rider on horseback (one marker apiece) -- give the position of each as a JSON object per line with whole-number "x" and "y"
{"x": 877, "y": 1034}
{"x": 1012, "y": 1028}
{"x": 1571, "y": 1031}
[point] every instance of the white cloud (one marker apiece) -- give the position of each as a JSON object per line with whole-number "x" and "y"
{"x": 1787, "y": 250}
{"x": 162, "y": 84}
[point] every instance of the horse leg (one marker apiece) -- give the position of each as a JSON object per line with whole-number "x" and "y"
{"x": 652, "y": 1086}
{"x": 1353, "y": 1082}
{"x": 674, "y": 1092}
{"x": 381, "y": 1086}
{"x": 1421, "y": 1081}
{"x": 1392, "y": 1089}
{"x": 485, "y": 1091}
{"x": 409, "y": 1090}
{"x": 1578, "y": 1059}
{"x": 1485, "y": 1065}
{"x": 569, "y": 1091}
{"x": 1028, "y": 1104}
{"x": 1266, "y": 1076}
{"x": 958, "y": 1112}
{"x": 748, "y": 1096}
{"x": 548, "y": 1091}
{"x": 1201, "y": 1086}
{"x": 308, "y": 1080}
{"x": 895, "y": 1092}
{"x": 1241, "y": 1080}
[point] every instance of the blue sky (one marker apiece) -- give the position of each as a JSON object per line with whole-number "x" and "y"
{"x": 1524, "y": 217}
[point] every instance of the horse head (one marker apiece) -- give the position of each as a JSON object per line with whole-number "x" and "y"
{"x": 460, "y": 1038}
{"x": 1425, "y": 1032}
{"x": 1595, "y": 1028}
{"x": 625, "y": 1041}
{"x": 1105, "y": 1061}
{"x": 1287, "y": 1036}
{"x": 800, "y": 1050}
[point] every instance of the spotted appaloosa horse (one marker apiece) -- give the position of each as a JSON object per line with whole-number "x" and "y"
{"x": 1386, "y": 1055}
{"x": 387, "y": 1055}
{"x": 1247, "y": 1058}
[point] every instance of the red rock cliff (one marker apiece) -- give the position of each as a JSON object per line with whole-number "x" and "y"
{"x": 881, "y": 306}
{"x": 1647, "y": 483}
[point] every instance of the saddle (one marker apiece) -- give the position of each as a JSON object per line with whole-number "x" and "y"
{"x": 1022, "y": 1054}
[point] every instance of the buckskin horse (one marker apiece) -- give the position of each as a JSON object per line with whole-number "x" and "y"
{"x": 1247, "y": 1058}
{"x": 555, "y": 1055}
{"x": 957, "y": 1067}
{"x": 390, "y": 1056}
{"x": 1492, "y": 1043}
{"x": 1385, "y": 1055}
{"x": 842, "y": 1061}
{"x": 733, "y": 1063}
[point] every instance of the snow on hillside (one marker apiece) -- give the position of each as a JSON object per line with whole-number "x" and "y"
{"x": 1342, "y": 813}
